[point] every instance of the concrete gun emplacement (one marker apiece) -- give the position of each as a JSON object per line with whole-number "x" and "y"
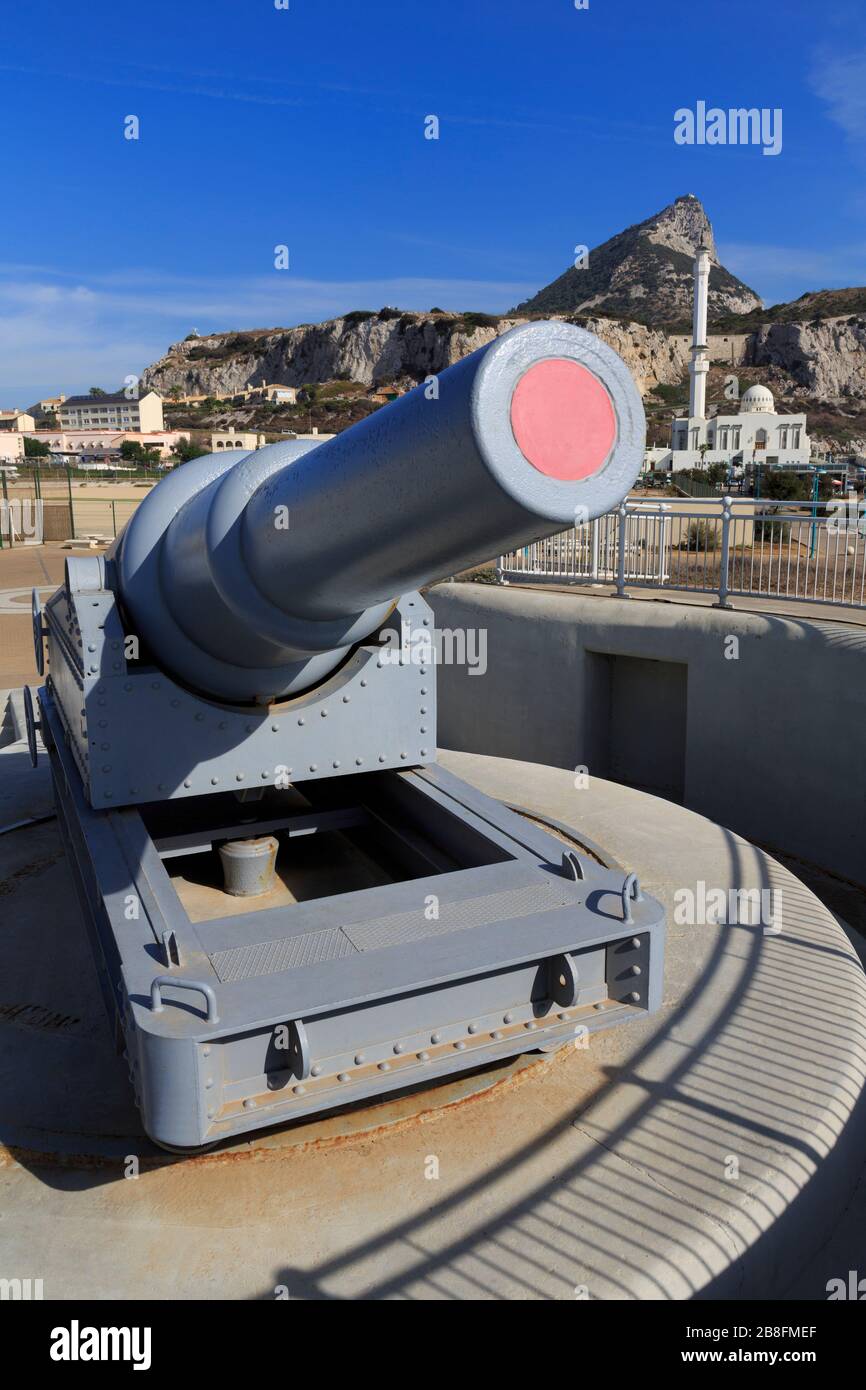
{"x": 220, "y": 697}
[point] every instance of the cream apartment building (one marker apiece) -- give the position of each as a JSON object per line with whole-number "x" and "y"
{"x": 113, "y": 412}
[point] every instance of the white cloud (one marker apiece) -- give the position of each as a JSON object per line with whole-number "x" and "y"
{"x": 839, "y": 79}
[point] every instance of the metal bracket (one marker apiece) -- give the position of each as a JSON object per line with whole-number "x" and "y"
{"x": 571, "y": 865}
{"x": 563, "y": 980}
{"x": 170, "y": 948}
{"x": 38, "y": 631}
{"x": 32, "y": 725}
{"x": 299, "y": 1049}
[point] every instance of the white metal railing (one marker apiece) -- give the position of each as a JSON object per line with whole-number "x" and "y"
{"x": 813, "y": 552}
{"x": 591, "y": 552}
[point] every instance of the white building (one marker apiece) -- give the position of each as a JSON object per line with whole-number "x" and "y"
{"x": 16, "y": 421}
{"x": 756, "y": 434}
{"x": 11, "y": 446}
{"x": 112, "y": 412}
{"x": 236, "y": 439}
{"x": 99, "y": 444}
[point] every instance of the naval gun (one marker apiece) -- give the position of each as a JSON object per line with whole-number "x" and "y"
{"x": 291, "y": 905}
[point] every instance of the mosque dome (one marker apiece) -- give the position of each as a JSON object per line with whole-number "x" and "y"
{"x": 758, "y": 398}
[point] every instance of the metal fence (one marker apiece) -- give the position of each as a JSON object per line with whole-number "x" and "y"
{"x": 812, "y": 552}
{"x": 60, "y": 506}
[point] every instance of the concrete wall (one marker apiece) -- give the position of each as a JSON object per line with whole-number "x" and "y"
{"x": 733, "y": 348}
{"x": 770, "y": 742}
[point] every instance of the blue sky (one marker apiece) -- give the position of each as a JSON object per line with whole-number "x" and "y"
{"x": 305, "y": 127}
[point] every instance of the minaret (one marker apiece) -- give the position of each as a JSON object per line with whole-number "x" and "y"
{"x": 699, "y": 366}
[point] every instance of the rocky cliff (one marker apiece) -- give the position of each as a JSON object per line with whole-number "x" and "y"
{"x": 826, "y": 359}
{"x": 376, "y": 348}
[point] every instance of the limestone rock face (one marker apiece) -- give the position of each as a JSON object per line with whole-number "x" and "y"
{"x": 826, "y": 359}
{"x": 374, "y": 350}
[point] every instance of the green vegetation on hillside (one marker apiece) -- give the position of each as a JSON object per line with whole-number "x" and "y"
{"x": 813, "y": 307}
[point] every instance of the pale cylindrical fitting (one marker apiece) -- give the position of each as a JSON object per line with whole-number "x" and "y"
{"x": 249, "y": 865}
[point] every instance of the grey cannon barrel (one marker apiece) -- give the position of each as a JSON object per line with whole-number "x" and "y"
{"x": 250, "y": 577}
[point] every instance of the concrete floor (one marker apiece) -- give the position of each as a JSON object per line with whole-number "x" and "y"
{"x": 710, "y": 1151}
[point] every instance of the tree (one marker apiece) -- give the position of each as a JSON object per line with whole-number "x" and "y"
{"x": 780, "y": 485}
{"x": 132, "y": 452}
{"x": 186, "y": 449}
{"x": 35, "y": 448}
{"x": 97, "y": 391}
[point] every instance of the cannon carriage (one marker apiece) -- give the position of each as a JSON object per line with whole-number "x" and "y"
{"x": 292, "y": 907}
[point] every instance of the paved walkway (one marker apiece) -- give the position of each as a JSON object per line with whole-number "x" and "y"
{"x": 23, "y": 568}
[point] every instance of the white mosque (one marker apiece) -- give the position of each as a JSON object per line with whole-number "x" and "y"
{"x": 755, "y": 435}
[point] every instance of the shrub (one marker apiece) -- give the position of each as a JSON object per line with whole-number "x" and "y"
{"x": 474, "y": 320}
{"x": 701, "y": 535}
{"x": 767, "y": 529}
{"x": 669, "y": 393}
{"x": 783, "y": 486}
